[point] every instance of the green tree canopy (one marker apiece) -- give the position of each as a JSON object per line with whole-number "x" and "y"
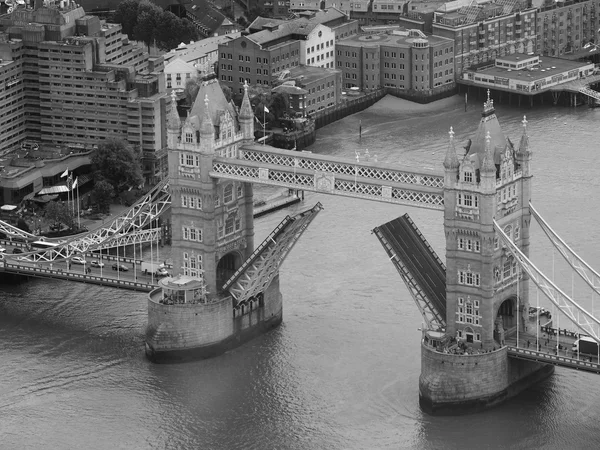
{"x": 144, "y": 21}
{"x": 57, "y": 213}
{"x": 103, "y": 192}
{"x": 119, "y": 164}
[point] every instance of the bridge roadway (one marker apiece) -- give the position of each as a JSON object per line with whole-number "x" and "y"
{"x": 106, "y": 276}
{"x": 419, "y": 258}
{"x": 551, "y": 349}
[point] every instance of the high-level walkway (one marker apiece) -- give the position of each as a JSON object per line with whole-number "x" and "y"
{"x": 418, "y": 265}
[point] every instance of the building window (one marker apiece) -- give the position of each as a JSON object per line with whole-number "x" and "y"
{"x": 189, "y": 138}
{"x": 229, "y": 225}
{"x": 228, "y": 194}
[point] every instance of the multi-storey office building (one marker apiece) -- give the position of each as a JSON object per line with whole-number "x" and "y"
{"x": 564, "y": 28}
{"x": 406, "y": 60}
{"x": 83, "y": 81}
{"x": 483, "y": 32}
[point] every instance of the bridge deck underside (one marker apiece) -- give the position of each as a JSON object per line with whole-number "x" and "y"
{"x": 413, "y": 254}
{"x": 257, "y": 272}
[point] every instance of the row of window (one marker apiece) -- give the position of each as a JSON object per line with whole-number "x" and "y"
{"x": 232, "y": 224}
{"x": 467, "y": 200}
{"x": 469, "y": 245}
{"x": 191, "y": 201}
{"x": 191, "y": 234}
{"x": 469, "y": 278}
{"x": 320, "y": 46}
{"x": 192, "y": 265}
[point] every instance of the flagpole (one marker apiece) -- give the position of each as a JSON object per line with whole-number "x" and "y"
{"x": 78, "y": 216}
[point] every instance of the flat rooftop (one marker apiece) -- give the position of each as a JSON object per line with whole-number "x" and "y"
{"x": 311, "y": 73}
{"x": 548, "y": 67}
{"x": 393, "y": 40}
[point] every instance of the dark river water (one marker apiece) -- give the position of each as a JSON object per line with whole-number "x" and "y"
{"x": 342, "y": 371}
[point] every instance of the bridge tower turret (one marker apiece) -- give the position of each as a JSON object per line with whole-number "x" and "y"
{"x": 173, "y": 123}
{"x": 212, "y": 218}
{"x": 486, "y": 295}
{"x": 246, "y": 118}
{"x": 212, "y": 235}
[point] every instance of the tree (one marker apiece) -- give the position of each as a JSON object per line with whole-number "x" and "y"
{"x": 126, "y": 14}
{"x": 59, "y": 213}
{"x": 227, "y": 92}
{"x": 21, "y": 224}
{"x": 119, "y": 164}
{"x": 280, "y": 104}
{"x": 192, "y": 86}
{"x": 144, "y": 21}
{"x": 103, "y": 192}
{"x": 149, "y": 16}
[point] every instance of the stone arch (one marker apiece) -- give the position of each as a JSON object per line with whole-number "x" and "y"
{"x": 505, "y": 320}
{"x": 469, "y": 335}
{"x": 226, "y": 267}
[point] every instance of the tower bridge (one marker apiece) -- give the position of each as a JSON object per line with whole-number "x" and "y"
{"x": 477, "y": 345}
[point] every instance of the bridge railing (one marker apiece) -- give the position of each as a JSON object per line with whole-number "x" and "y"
{"x": 42, "y": 272}
{"x": 557, "y": 360}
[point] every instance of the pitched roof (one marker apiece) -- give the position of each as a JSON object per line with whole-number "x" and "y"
{"x": 488, "y": 124}
{"x": 208, "y": 18}
{"x": 217, "y": 104}
{"x": 179, "y": 65}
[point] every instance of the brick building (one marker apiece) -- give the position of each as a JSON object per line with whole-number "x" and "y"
{"x": 564, "y": 28}
{"x": 483, "y": 32}
{"x": 323, "y": 86}
{"x": 407, "y": 60}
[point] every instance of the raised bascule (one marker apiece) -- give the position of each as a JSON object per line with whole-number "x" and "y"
{"x": 225, "y": 289}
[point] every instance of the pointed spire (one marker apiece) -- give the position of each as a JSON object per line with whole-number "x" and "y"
{"x": 488, "y": 106}
{"x": 524, "y": 144}
{"x": 246, "y": 108}
{"x": 173, "y": 120}
{"x": 451, "y": 160}
{"x": 206, "y": 126}
{"x": 488, "y": 165}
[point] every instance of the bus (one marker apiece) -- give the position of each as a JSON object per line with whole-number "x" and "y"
{"x": 43, "y": 244}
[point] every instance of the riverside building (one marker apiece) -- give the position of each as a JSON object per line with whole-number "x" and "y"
{"x": 407, "y": 60}
{"x": 483, "y": 32}
{"x": 70, "y": 78}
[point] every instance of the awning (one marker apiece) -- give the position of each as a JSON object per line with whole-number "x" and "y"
{"x": 53, "y": 190}
{"x": 45, "y": 198}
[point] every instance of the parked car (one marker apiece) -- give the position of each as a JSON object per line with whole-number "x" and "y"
{"x": 119, "y": 267}
{"x": 17, "y": 250}
{"x": 95, "y": 263}
{"x": 78, "y": 260}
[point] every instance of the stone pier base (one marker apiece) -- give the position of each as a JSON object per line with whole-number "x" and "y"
{"x": 463, "y": 384}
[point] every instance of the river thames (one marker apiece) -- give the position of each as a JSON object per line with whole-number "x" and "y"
{"x": 342, "y": 370}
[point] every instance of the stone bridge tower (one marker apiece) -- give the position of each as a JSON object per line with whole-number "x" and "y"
{"x": 486, "y": 293}
{"x": 213, "y": 228}
{"x": 492, "y": 181}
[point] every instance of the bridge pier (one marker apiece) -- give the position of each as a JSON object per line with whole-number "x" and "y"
{"x": 466, "y": 367}
{"x": 457, "y": 384}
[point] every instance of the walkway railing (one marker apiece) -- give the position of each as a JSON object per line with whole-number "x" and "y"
{"x": 557, "y": 360}
{"x": 42, "y": 272}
